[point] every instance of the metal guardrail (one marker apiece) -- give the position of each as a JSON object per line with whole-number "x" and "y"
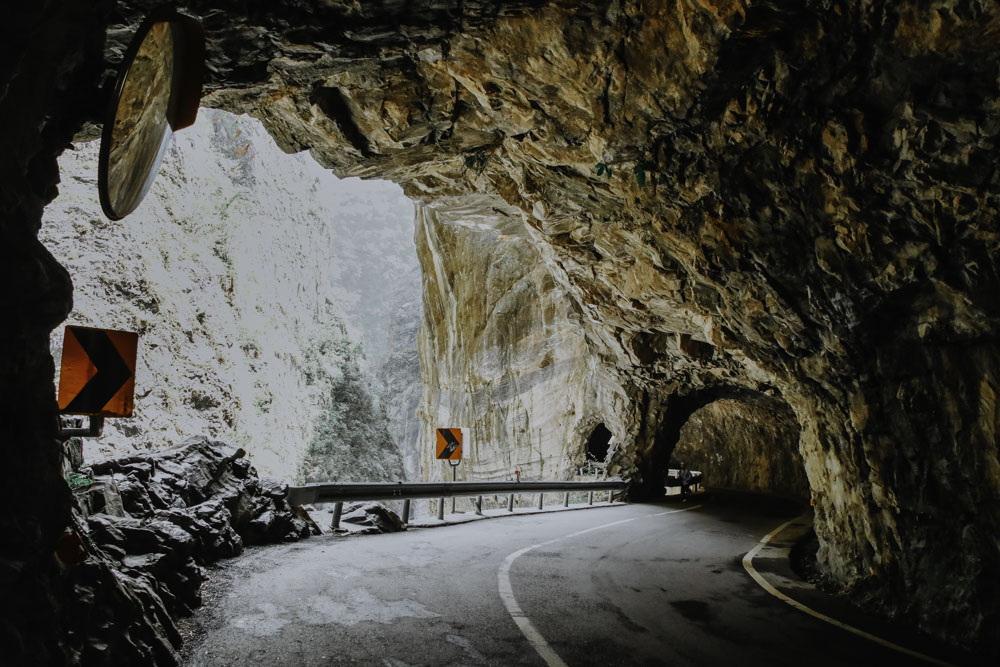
{"x": 340, "y": 493}
{"x": 593, "y": 469}
{"x": 347, "y": 492}
{"x": 673, "y": 478}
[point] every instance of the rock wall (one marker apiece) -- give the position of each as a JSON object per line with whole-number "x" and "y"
{"x": 503, "y": 356}
{"x": 777, "y": 200}
{"x": 790, "y": 199}
{"x": 47, "y": 84}
{"x": 747, "y": 445}
{"x": 400, "y": 373}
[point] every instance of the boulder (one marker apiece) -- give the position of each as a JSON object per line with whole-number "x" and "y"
{"x": 380, "y": 518}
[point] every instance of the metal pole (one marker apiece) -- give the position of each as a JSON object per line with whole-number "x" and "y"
{"x": 510, "y": 503}
{"x": 338, "y": 508}
{"x": 94, "y": 430}
{"x": 609, "y": 496}
{"x": 591, "y": 501}
{"x": 541, "y": 498}
{"x": 566, "y": 500}
{"x": 479, "y": 504}
{"x": 406, "y": 511}
{"x": 454, "y": 470}
{"x": 440, "y": 509}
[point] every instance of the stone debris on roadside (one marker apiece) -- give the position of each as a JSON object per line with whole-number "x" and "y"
{"x": 376, "y": 517}
{"x": 150, "y": 524}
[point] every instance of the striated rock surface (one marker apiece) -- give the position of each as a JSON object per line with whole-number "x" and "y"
{"x": 503, "y": 357}
{"x": 400, "y": 375}
{"x": 798, "y": 200}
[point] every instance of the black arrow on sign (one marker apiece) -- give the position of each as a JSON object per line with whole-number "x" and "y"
{"x": 112, "y": 371}
{"x": 452, "y": 443}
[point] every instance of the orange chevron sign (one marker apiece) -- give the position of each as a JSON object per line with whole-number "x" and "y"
{"x": 97, "y": 375}
{"x": 449, "y": 444}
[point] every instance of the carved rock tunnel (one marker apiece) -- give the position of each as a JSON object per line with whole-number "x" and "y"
{"x": 739, "y": 439}
{"x": 812, "y": 193}
{"x": 597, "y": 443}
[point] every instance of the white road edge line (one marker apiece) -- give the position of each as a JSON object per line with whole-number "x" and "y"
{"x": 528, "y": 629}
{"x": 752, "y": 571}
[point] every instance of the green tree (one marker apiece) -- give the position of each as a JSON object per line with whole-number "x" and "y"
{"x": 351, "y": 440}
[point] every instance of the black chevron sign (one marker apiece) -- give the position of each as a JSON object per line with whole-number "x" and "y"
{"x": 97, "y": 375}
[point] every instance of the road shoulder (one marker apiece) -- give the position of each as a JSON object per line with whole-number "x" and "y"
{"x": 771, "y": 560}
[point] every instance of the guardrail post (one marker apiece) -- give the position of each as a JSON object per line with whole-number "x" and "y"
{"x": 566, "y": 500}
{"x": 609, "y": 496}
{"x": 406, "y": 511}
{"x": 541, "y": 498}
{"x": 440, "y": 509}
{"x": 510, "y": 503}
{"x": 591, "y": 501}
{"x": 338, "y": 508}
{"x": 479, "y": 505}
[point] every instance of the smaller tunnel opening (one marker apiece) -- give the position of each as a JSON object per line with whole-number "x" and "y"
{"x": 598, "y": 442}
{"x": 740, "y": 439}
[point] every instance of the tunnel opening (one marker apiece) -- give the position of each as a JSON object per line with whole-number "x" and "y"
{"x": 738, "y": 439}
{"x": 654, "y": 466}
{"x": 246, "y": 272}
{"x": 598, "y": 443}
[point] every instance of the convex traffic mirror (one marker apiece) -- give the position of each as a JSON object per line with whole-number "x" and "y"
{"x": 157, "y": 93}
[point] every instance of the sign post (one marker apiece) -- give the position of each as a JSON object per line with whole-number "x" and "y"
{"x": 448, "y": 447}
{"x": 454, "y": 471}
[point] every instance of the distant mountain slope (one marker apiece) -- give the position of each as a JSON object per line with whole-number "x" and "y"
{"x": 257, "y": 281}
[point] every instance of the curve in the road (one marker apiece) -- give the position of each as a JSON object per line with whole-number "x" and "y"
{"x": 528, "y": 628}
{"x": 766, "y": 585}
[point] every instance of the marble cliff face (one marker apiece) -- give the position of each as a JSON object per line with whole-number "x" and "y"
{"x": 240, "y": 272}
{"x": 705, "y": 201}
{"x": 502, "y": 355}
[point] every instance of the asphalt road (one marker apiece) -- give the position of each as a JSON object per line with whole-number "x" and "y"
{"x": 641, "y": 585}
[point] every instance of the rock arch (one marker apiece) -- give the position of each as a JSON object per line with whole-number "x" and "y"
{"x": 758, "y": 413}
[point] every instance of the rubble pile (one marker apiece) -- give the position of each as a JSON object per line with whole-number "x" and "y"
{"x": 151, "y": 523}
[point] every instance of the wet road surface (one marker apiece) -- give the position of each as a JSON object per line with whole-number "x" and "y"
{"x": 642, "y": 584}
